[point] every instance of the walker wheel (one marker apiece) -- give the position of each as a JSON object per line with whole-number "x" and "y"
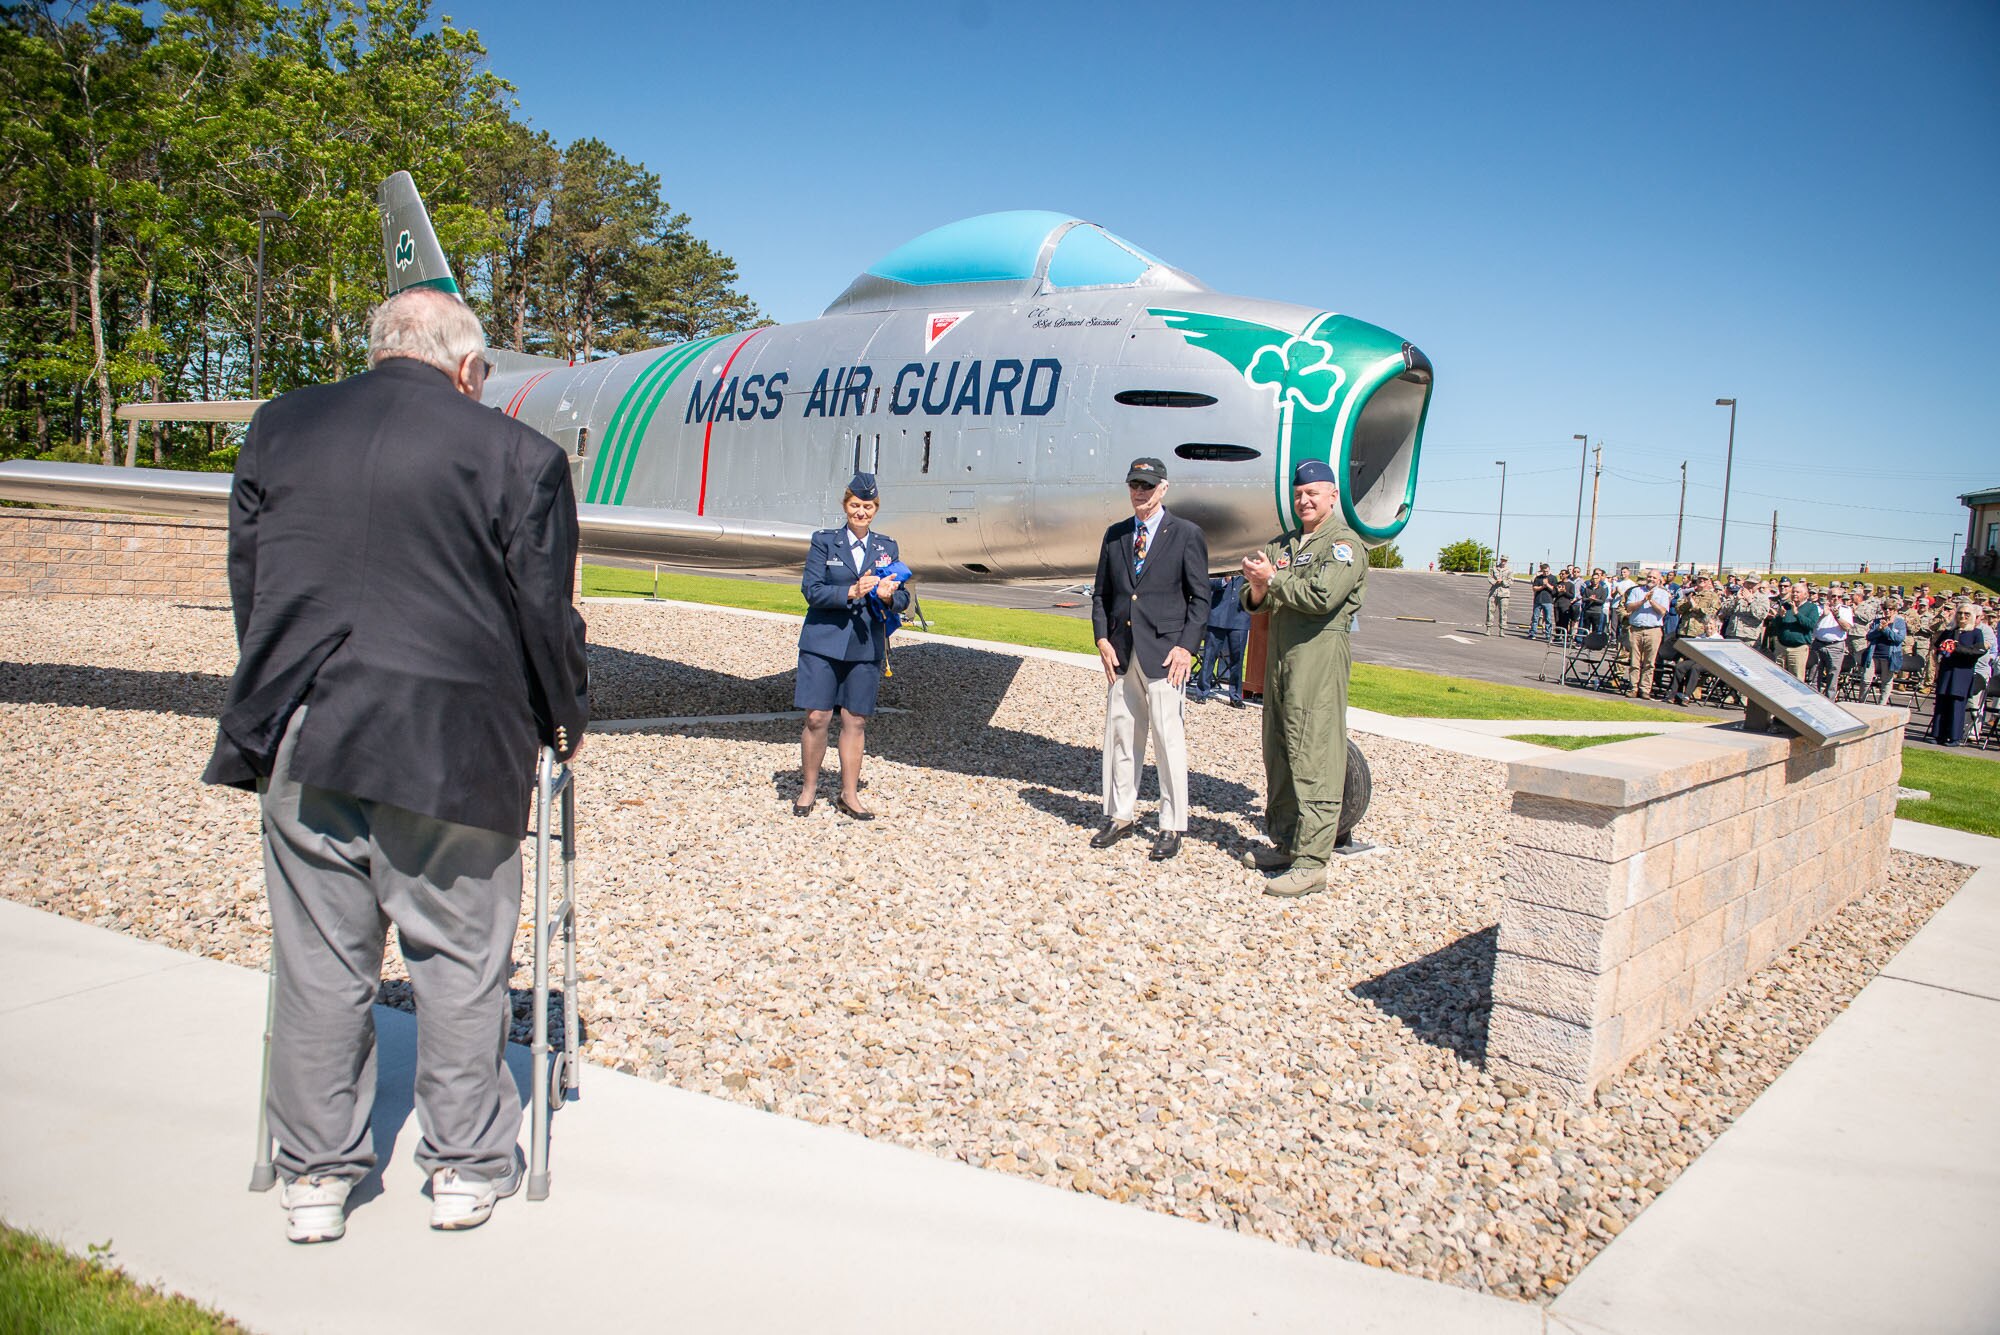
{"x": 556, "y": 1081}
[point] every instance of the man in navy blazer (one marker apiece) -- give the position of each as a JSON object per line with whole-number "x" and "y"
{"x": 1148, "y": 606}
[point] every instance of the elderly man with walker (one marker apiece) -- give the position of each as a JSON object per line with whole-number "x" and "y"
{"x": 400, "y": 562}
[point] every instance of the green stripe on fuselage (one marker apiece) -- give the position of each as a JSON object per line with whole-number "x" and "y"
{"x": 622, "y": 436}
{"x": 606, "y": 467}
{"x": 644, "y": 412}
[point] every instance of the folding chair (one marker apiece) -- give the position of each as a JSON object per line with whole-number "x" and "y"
{"x": 556, "y": 1072}
{"x": 1592, "y": 661}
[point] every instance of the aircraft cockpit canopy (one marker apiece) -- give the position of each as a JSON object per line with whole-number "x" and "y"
{"x": 1021, "y": 254}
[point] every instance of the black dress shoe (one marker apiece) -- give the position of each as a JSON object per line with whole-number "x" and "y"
{"x": 852, "y": 813}
{"x": 1168, "y": 844}
{"x": 805, "y": 810}
{"x": 1112, "y": 833}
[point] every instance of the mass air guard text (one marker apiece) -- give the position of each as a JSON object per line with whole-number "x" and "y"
{"x": 936, "y": 389}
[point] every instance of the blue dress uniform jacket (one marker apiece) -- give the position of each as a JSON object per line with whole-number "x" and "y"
{"x": 835, "y": 627}
{"x": 1151, "y": 614}
{"x": 403, "y": 556}
{"x": 1225, "y": 605}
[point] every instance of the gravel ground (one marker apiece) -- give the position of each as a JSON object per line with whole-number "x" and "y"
{"x": 964, "y": 976}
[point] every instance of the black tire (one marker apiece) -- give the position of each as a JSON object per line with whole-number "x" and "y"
{"x": 1355, "y": 792}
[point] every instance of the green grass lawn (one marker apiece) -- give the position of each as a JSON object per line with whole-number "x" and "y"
{"x": 1006, "y": 625}
{"x": 1909, "y": 579}
{"x": 1964, "y": 789}
{"x": 1390, "y": 690}
{"x": 46, "y": 1290}
{"x": 1563, "y": 741}
{"x": 1387, "y": 690}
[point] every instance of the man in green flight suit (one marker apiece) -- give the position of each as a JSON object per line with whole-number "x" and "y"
{"x": 1310, "y": 581}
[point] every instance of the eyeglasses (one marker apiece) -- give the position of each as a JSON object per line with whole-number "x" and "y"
{"x": 1141, "y": 486}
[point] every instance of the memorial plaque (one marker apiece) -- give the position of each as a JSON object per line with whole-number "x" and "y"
{"x": 1805, "y": 710}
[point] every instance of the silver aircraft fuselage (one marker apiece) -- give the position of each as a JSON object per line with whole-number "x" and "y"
{"x": 997, "y": 375}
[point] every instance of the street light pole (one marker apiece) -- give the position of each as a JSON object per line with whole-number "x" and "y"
{"x": 1582, "y": 467}
{"x": 1957, "y": 560}
{"x": 1679, "y": 516}
{"x": 1501, "y": 517}
{"x": 1728, "y": 467}
{"x": 264, "y": 217}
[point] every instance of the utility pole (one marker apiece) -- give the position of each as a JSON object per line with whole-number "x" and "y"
{"x": 1728, "y": 467}
{"x": 1582, "y": 467}
{"x": 1772, "y": 567}
{"x": 1590, "y": 551}
{"x": 1679, "y": 516}
{"x": 1500, "y": 517}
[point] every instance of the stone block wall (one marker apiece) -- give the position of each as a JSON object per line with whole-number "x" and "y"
{"x": 74, "y": 554}
{"x": 1646, "y": 878}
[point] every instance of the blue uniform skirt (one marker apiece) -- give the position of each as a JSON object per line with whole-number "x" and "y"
{"x": 828, "y": 683}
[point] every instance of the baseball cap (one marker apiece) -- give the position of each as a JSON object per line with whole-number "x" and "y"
{"x": 1146, "y": 470}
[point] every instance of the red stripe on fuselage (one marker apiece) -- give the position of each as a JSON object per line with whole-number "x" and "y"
{"x": 708, "y": 433}
{"x": 521, "y": 394}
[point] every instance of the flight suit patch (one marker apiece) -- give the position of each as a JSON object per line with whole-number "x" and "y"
{"x": 1343, "y": 552}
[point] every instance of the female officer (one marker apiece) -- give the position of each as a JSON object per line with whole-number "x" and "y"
{"x": 841, "y": 644}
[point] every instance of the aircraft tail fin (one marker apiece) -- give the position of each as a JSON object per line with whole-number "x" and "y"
{"x": 410, "y": 248}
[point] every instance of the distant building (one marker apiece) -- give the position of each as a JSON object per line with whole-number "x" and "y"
{"x": 1982, "y": 533}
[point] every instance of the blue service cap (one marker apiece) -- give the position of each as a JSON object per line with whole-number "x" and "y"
{"x": 1312, "y": 470}
{"x": 863, "y": 486}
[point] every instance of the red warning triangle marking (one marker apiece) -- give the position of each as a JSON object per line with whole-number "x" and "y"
{"x": 939, "y": 323}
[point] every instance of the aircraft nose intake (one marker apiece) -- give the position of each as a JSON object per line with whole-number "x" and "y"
{"x": 1381, "y": 448}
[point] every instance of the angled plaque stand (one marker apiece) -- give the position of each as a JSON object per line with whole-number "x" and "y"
{"x": 1802, "y": 709}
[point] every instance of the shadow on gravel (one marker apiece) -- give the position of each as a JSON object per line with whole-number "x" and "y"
{"x": 196, "y": 694}
{"x": 1445, "y": 997}
{"x": 951, "y": 693}
{"x": 1088, "y": 816}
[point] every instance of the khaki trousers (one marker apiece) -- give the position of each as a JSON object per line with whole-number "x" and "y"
{"x": 1133, "y": 707}
{"x": 1645, "y": 655}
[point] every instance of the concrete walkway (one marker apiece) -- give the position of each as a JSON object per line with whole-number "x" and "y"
{"x": 129, "y": 1113}
{"x": 1860, "y": 1193}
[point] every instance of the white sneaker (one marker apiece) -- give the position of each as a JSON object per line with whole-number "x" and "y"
{"x": 316, "y": 1208}
{"x": 465, "y": 1200}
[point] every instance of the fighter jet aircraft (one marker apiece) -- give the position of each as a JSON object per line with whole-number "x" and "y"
{"x": 997, "y": 375}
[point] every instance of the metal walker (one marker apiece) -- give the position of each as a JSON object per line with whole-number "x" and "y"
{"x": 556, "y": 1072}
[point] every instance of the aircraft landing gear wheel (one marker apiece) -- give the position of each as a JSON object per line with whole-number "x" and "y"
{"x": 1355, "y": 792}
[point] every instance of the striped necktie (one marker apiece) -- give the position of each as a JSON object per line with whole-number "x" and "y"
{"x": 1139, "y": 550}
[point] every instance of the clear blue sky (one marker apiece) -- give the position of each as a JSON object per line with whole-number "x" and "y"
{"x": 1594, "y": 218}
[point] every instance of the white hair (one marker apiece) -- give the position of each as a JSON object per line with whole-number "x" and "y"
{"x": 434, "y": 327}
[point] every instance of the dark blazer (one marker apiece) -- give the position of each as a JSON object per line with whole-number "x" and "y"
{"x": 836, "y": 628}
{"x": 1955, "y": 669}
{"x": 404, "y": 556}
{"x": 1166, "y": 606}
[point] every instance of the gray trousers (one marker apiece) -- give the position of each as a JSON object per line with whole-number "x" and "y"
{"x": 339, "y": 870}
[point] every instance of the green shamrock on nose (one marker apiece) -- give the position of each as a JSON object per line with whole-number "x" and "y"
{"x": 1300, "y": 368}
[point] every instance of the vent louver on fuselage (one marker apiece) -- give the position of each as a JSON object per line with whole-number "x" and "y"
{"x": 1217, "y": 454}
{"x": 1163, "y": 398}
